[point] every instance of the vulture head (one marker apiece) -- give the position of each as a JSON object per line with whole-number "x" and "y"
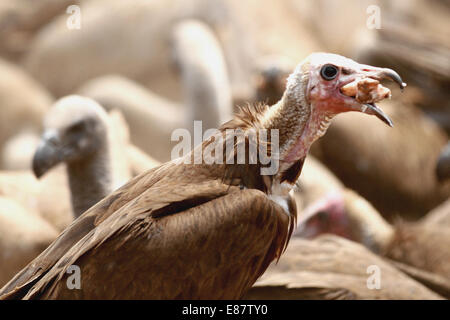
{"x": 334, "y": 84}
{"x": 74, "y": 129}
{"x": 348, "y": 215}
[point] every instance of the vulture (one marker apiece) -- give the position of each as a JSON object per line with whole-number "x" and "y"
{"x": 198, "y": 57}
{"x": 421, "y": 245}
{"x": 206, "y": 225}
{"x": 330, "y": 268}
{"x": 77, "y": 133}
{"x": 39, "y": 194}
{"x": 404, "y": 185}
{"x": 23, "y": 236}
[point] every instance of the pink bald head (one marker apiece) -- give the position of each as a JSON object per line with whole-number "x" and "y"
{"x": 328, "y": 215}
{"x": 338, "y": 84}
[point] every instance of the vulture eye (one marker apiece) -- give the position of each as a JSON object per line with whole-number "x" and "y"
{"x": 329, "y": 72}
{"x": 76, "y": 127}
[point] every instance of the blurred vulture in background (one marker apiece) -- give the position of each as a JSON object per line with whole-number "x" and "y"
{"x": 439, "y": 216}
{"x": 418, "y": 244}
{"x": 329, "y": 268}
{"x": 76, "y": 133}
{"x": 79, "y": 133}
{"x": 198, "y": 57}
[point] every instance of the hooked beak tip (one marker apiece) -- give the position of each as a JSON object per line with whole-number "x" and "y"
{"x": 394, "y": 76}
{"x": 371, "y": 108}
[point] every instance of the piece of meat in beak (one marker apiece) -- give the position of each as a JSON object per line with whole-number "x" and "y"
{"x": 366, "y": 89}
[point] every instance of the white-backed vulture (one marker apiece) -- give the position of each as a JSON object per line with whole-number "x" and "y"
{"x": 192, "y": 228}
{"x": 77, "y": 133}
{"x": 421, "y": 245}
{"x": 395, "y": 184}
{"x": 23, "y": 236}
{"x": 329, "y": 268}
{"x": 39, "y": 195}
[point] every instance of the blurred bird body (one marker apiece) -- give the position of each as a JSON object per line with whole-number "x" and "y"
{"x": 422, "y": 245}
{"x": 218, "y": 226}
{"x": 333, "y": 268}
{"x": 23, "y": 236}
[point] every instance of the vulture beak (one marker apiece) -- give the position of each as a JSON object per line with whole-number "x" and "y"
{"x": 47, "y": 154}
{"x": 367, "y": 90}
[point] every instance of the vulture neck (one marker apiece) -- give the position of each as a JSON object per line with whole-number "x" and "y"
{"x": 204, "y": 77}
{"x": 89, "y": 179}
{"x": 370, "y": 229}
{"x": 299, "y": 125}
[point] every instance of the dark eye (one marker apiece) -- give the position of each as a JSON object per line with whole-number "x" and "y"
{"x": 329, "y": 72}
{"x": 76, "y": 127}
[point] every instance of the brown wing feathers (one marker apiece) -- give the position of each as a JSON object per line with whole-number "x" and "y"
{"x": 171, "y": 202}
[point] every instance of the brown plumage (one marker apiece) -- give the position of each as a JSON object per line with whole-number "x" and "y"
{"x": 329, "y": 268}
{"x": 185, "y": 230}
{"x": 404, "y": 185}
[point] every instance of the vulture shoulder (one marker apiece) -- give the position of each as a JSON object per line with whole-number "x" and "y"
{"x": 167, "y": 227}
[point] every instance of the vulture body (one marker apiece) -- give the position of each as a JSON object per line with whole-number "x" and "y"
{"x": 330, "y": 268}
{"x": 421, "y": 245}
{"x": 39, "y": 195}
{"x": 196, "y": 229}
{"x": 49, "y": 197}
{"x": 77, "y": 132}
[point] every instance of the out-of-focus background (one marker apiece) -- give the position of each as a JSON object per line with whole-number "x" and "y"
{"x": 163, "y": 63}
